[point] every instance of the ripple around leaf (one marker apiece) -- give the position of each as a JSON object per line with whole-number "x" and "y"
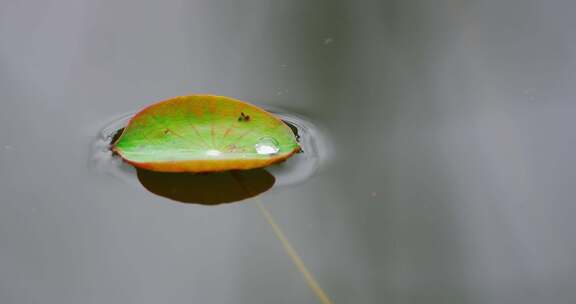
{"x": 299, "y": 168}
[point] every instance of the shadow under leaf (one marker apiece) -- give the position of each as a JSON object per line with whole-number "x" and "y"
{"x": 207, "y": 188}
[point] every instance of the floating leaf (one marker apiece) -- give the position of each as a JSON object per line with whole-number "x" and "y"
{"x": 204, "y": 133}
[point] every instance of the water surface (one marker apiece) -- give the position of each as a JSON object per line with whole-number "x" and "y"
{"x": 451, "y": 172}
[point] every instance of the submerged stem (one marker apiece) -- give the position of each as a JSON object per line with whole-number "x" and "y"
{"x": 290, "y": 251}
{"x": 312, "y": 283}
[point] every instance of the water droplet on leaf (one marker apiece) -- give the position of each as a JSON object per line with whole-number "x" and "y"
{"x": 267, "y": 146}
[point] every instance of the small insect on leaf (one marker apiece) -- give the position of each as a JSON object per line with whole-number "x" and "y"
{"x": 204, "y": 133}
{"x": 243, "y": 117}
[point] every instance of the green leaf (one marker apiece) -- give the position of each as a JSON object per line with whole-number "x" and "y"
{"x": 204, "y": 133}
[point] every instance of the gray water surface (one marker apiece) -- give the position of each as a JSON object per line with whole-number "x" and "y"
{"x": 452, "y": 176}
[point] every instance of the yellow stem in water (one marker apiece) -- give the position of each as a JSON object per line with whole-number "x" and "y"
{"x": 310, "y": 280}
{"x": 294, "y": 256}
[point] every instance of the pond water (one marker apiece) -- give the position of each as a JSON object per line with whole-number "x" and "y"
{"x": 444, "y": 170}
